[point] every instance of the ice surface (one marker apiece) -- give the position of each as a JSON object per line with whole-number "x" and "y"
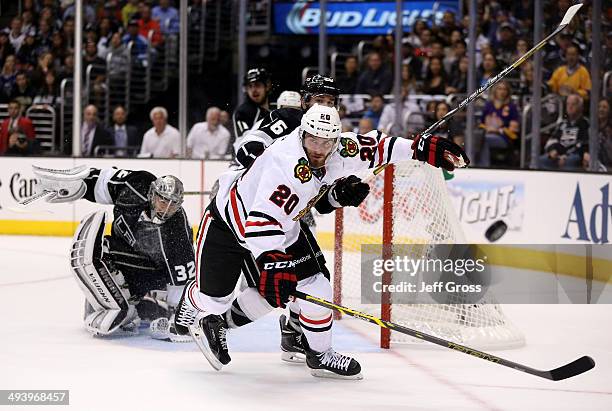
{"x": 45, "y": 347}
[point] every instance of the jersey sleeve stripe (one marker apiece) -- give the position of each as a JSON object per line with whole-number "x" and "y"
{"x": 381, "y": 151}
{"x": 267, "y": 233}
{"x": 259, "y": 223}
{"x": 264, "y": 216}
{"x": 390, "y": 148}
{"x": 235, "y": 211}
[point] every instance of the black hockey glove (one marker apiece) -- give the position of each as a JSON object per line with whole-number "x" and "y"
{"x": 350, "y": 191}
{"x": 277, "y": 279}
{"x": 439, "y": 152}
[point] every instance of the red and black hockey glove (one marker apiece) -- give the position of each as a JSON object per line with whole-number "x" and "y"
{"x": 439, "y": 152}
{"x": 277, "y": 279}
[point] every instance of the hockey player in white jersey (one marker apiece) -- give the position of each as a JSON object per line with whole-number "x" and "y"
{"x": 254, "y": 218}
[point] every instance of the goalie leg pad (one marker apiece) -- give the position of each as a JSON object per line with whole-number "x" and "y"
{"x": 104, "y": 287}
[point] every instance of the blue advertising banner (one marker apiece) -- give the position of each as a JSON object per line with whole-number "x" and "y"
{"x": 356, "y": 18}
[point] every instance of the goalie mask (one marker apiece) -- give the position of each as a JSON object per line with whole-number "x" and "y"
{"x": 165, "y": 198}
{"x": 320, "y": 133}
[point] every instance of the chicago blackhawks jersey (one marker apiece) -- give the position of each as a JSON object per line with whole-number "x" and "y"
{"x": 150, "y": 255}
{"x": 263, "y": 204}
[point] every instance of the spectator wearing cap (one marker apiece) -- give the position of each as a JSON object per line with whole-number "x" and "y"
{"x": 347, "y": 82}
{"x": 505, "y": 43}
{"x": 140, "y": 45}
{"x": 376, "y": 78}
{"x": 15, "y": 122}
{"x": 208, "y": 139}
{"x": 146, "y": 24}
{"x": 162, "y": 140}
{"x": 128, "y": 11}
{"x": 572, "y": 77}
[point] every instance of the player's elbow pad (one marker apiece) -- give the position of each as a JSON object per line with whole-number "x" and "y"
{"x": 248, "y": 152}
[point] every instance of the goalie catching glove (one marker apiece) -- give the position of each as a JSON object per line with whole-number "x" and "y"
{"x": 439, "y": 152}
{"x": 277, "y": 279}
{"x": 61, "y": 186}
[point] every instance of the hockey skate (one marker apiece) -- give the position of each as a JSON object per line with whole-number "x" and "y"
{"x": 291, "y": 342}
{"x": 330, "y": 364}
{"x": 186, "y": 314}
{"x": 209, "y": 333}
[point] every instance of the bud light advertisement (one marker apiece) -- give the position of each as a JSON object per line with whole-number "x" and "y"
{"x": 355, "y": 18}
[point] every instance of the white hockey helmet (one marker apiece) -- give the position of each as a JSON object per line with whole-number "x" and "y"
{"x": 289, "y": 99}
{"x": 323, "y": 122}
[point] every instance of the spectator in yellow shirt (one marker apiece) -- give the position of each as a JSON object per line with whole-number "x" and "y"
{"x": 128, "y": 11}
{"x": 573, "y": 77}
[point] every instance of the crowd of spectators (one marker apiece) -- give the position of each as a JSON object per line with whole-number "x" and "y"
{"x": 435, "y": 65}
{"x": 36, "y": 54}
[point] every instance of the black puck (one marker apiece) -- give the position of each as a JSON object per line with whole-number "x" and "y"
{"x": 496, "y": 231}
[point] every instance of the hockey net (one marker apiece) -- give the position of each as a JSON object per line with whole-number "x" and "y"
{"x": 409, "y": 204}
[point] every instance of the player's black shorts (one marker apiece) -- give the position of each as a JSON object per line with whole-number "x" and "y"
{"x": 221, "y": 259}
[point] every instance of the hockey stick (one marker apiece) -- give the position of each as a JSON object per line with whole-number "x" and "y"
{"x": 569, "y": 15}
{"x": 569, "y": 370}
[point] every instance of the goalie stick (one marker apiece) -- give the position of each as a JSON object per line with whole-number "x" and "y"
{"x": 576, "y": 367}
{"x": 569, "y": 15}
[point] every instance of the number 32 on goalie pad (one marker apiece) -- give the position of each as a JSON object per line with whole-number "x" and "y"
{"x": 102, "y": 285}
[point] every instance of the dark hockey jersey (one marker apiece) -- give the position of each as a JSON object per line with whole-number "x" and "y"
{"x": 246, "y": 115}
{"x": 149, "y": 255}
{"x": 276, "y": 124}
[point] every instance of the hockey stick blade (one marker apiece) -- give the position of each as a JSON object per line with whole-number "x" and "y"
{"x": 576, "y": 367}
{"x": 572, "y": 369}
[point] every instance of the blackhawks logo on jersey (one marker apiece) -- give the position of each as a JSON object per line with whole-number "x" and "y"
{"x": 302, "y": 171}
{"x": 349, "y": 147}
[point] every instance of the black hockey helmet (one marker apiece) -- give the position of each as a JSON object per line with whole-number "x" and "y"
{"x": 256, "y": 74}
{"x": 318, "y": 84}
{"x": 165, "y": 198}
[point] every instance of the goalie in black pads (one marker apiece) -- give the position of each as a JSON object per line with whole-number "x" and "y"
{"x": 138, "y": 271}
{"x": 254, "y": 221}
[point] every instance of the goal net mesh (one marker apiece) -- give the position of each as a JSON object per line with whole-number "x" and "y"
{"x": 420, "y": 214}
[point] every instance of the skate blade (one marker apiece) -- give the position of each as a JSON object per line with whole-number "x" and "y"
{"x": 293, "y": 357}
{"x": 200, "y": 339}
{"x": 328, "y": 374}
